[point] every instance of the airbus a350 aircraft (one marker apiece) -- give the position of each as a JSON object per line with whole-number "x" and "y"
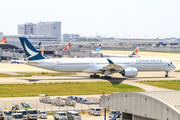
{"x": 3, "y": 41}
{"x": 128, "y": 67}
{"x": 134, "y": 54}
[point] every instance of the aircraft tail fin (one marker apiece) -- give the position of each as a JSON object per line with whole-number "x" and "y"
{"x": 39, "y": 45}
{"x": 42, "y": 51}
{"x": 98, "y": 48}
{"x": 135, "y": 52}
{"x": 3, "y": 40}
{"x": 30, "y": 50}
{"x": 67, "y": 48}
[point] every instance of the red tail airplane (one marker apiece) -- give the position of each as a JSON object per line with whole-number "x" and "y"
{"x": 3, "y": 40}
{"x": 68, "y": 47}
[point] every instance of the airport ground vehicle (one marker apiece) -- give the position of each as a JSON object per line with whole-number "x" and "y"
{"x": 32, "y": 114}
{"x": 112, "y": 113}
{"x": 5, "y": 115}
{"x": 70, "y": 102}
{"x": 58, "y": 101}
{"x": 17, "y": 116}
{"x": 42, "y": 115}
{"x": 15, "y": 108}
{"x": 25, "y": 105}
{"x": 83, "y": 99}
{"x": 24, "y": 114}
{"x": 60, "y": 116}
{"x": 72, "y": 115}
{"x": 44, "y": 98}
{"x": 95, "y": 111}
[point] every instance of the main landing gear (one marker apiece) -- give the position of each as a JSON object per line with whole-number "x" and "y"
{"x": 105, "y": 77}
{"x": 166, "y": 74}
{"x": 98, "y": 76}
{"x": 94, "y": 76}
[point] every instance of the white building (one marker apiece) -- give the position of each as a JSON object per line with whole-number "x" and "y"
{"x": 27, "y": 29}
{"x": 69, "y": 37}
{"x": 48, "y": 29}
{"x": 21, "y": 29}
{"x": 43, "y": 29}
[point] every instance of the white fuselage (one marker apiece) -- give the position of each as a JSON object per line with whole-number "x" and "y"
{"x": 82, "y": 64}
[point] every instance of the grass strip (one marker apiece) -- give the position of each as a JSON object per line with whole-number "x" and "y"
{"x": 45, "y": 74}
{"x": 8, "y": 75}
{"x": 168, "y": 84}
{"x": 66, "y": 88}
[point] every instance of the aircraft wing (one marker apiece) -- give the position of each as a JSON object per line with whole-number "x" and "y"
{"x": 110, "y": 66}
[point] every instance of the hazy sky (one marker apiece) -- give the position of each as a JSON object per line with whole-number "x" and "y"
{"x": 119, "y": 18}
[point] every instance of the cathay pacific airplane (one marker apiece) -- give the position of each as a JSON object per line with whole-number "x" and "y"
{"x": 134, "y": 54}
{"x": 127, "y": 67}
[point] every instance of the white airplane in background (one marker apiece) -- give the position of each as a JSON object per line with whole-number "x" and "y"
{"x": 128, "y": 67}
{"x": 134, "y": 54}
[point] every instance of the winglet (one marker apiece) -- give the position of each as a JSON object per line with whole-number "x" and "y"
{"x": 110, "y": 62}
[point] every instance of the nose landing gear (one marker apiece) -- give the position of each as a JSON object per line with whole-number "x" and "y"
{"x": 166, "y": 74}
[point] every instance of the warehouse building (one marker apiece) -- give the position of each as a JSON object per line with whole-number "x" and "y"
{"x": 145, "y": 105}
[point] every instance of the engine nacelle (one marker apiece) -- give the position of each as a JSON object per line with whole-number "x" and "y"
{"x": 129, "y": 72}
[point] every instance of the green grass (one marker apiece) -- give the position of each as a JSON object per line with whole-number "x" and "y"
{"x": 7, "y": 75}
{"x": 168, "y": 84}
{"x": 25, "y": 74}
{"x": 34, "y": 89}
{"x": 177, "y": 71}
{"x": 45, "y": 74}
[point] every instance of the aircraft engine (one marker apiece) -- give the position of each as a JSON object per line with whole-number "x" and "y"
{"x": 129, "y": 72}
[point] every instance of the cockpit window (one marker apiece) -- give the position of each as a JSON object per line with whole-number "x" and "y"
{"x": 170, "y": 62}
